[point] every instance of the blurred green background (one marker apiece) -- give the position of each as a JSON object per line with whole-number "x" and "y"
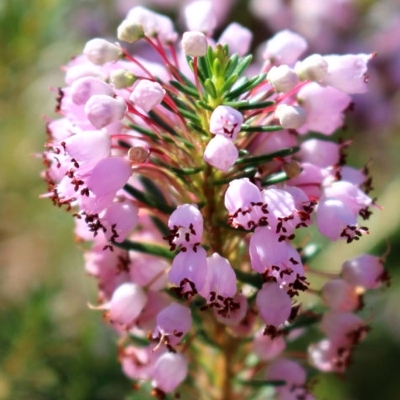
{"x": 51, "y": 346}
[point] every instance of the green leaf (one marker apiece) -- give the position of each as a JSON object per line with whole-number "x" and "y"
{"x": 243, "y": 64}
{"x": 210, "y": 88}
{"x": 149, "y": 200}
{"x": 256, "y": 105}
{"x": 261, "y": 128}
{"x": 203, "y": 69}
{"x": 197, "y": 128}
{"x": 147, "y": 248}
{"x": 144, "y": 131}
{"x": 247, "y": 85}
{"x": 256, "y": 160}
{"x": 231, "y": 65}
{"x": 273, "y": 179}
{"x": 178, "y": 171}
{"x": 189, "y": 90}
{"x": 229, "y": 82}
{"x": 162, "y": 123}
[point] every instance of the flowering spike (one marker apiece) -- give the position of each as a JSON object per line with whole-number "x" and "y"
{"x": 190, "y": 173}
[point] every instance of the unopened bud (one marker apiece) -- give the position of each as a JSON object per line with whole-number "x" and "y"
{"x": 121, "y": 78}
{"x": 138, "y": 154}
{"x": 147, "y": 94}
{"x": 194, "y": 43}
{"x": 130, "y": 31}
{"x": 282, "y": 78}
{"x": 313, "y": 68}
{"x": 100, "y": 51}
{"x": 290, "y": 117}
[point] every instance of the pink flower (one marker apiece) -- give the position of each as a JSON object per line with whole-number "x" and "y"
{"x": 365, "y": 271}
{"x": 200, "y": 16}
{"x": 338, "y": 295}
{"x": 126, "y": 303}
{"x": 237, "y": 37}
{"x": 348, "y": 72}
{"x": 99, "y": 51}
{"x": 285, "y": 47}
{"x": 119, "y": 220}
{"x": 172, "y": 323}
{"x": 102, "y": 110}
{"x": 186, "y": 226}
{"x": 147, "y": 94}
{"x": 169, "y": 371}
{"x": 221, "y": 278}
{"x": 226, "y": 121}
{"x": 324, "y": 108}
{"x": 274, "y": 304}
{"x": 83, "y": 88}
{"x": 266, "y": 347}
{"x": 189, "y": 270}
{"x": 221, "y": 153}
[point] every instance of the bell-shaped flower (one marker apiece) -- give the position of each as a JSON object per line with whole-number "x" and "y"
{"x": 138, "y": 362}
{"x": 287, "y": 370}
{"x": 102, "y": 110}
{"x": 322, "y": 153}
{"x": 283, "y": 217}
{"x": 86, "y": 149}
{"x": 140, "y": 20}
{"x": 336, "y": 220}
{"x": 226, "y": 121}
{"x": 237, "y": 37}
{"x": 244, "y": 202}
{"x": 235, "y": 314}
{"x": 194, "y": 43}
{"x": 127, "y": 302}
{"x": 221, "y": 153}
{"x": 274, "y": 304}
{"x": 276, "y": 259}
{"x": 100, "y": 51}
{"x": 266, "y": 347}
{"x": 189, "y": 270}
{"x": 172, "y": 323}
{"x": 186, "y": 226}
{"x": 84, "y": 88}
{"x": 200, "y": 16}
{"x": 365, "y": 271}
{"x": 313, "y": 68}
{"x": 328, "y": 356}
{"x": 338, "y": 295}
{"x": 324, "y": 107}
{"x": 119, "y": 219}
{"x": 343, "y": 327}
{"x": 309, "y": 180}
{"x": 147, "y": 94}
{"x": 282, "y": 78}
{"x": 285, "y": 47}
{"x": 348, "y": 72}
{"x": 109, "y": 175}
{"x": 170, "y": 370}
{"x": 221, "y": 280}
{"x": 354, "y": 198}
{"x": 290, "y": 117}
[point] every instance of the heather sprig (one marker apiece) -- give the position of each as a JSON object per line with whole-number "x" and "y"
{"x": 192, "y": 179}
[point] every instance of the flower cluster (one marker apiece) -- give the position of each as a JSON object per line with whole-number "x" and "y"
{"x": 193, "y": 181}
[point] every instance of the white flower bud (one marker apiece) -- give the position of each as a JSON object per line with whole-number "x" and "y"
{"x": 130, "y": 31}
{"x": 147, "y": 94}
{"x": 290, "y": 117}
{"x": 99, "y": 51}
{"x": 313, "y": 68}
{"x": 282, "y": 78}
{"x": 121, "y": 78}
{"x": 194, "y": 43}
